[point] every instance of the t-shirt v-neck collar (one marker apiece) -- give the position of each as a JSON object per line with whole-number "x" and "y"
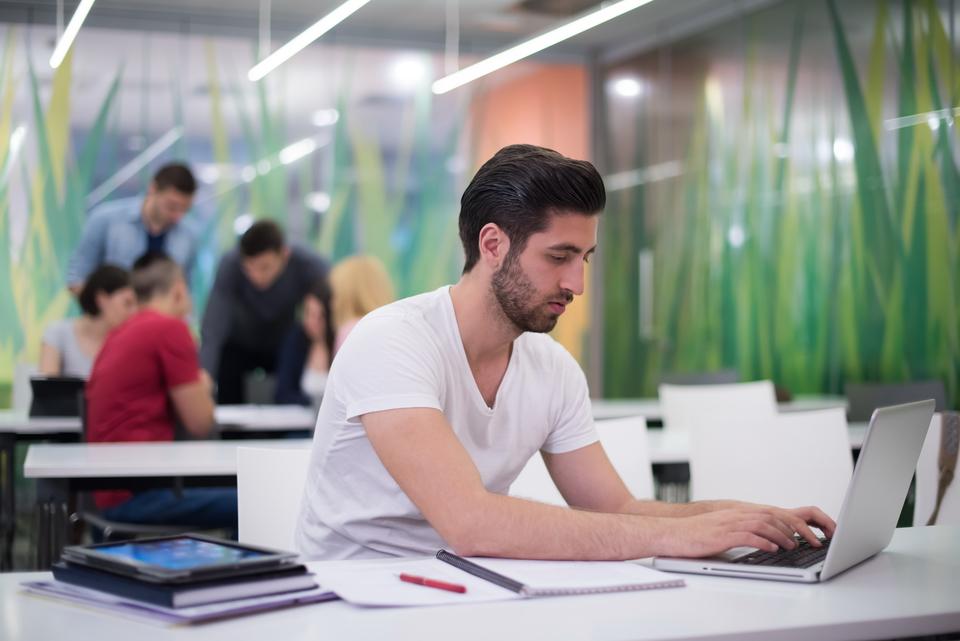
{"x": 465, "y": 364}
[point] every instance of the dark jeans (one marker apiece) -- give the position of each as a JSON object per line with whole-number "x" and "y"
{"x": 204, "y": 507}
{"x": 235, "y": 363}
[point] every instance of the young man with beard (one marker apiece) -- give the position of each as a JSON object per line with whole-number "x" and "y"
{"x": 435, "y": 403}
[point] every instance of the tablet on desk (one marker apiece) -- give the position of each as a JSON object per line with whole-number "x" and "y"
{"x": 178, "y": 558}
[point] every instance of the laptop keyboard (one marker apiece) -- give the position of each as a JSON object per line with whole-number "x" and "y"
{"x": 802, "y": 556}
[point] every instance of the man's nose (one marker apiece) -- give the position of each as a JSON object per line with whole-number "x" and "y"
{"x": 573, "y": 278}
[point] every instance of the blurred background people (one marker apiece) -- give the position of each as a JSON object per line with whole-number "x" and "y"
{"x": 70, "y": 346}
{"x": 147, "y": 378}
{"x": 306, "y": 352}
{"x": 121, "y": 231}
{"x": 252, "y": 306}
{"x": 360, "y": 284}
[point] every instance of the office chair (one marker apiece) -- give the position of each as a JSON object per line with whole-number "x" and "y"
{"x": 863, "y": 398}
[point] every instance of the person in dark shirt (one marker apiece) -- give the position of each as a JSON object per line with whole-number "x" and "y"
{"x": 252, "y": 306}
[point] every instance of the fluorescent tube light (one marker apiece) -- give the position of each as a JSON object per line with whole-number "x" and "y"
{"x": 310, "y": 34}
{"x": 73, "y": 27}
{"x": 297, "y": 150}
{"x": 535, "y": 44}
{"x": 16, "y": 142}
{"x": 129, "y": 170}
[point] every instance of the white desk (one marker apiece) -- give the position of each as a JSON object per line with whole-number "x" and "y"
{"x": 265, "y": 418}
{"x": 218, "y": 458}
{"x": 649, "y": 408}
{"x": 233, "y": 421}
{"x": 259, "y": 418}
{"x": 142, "y": 460}
{"x": 908, "y": 590}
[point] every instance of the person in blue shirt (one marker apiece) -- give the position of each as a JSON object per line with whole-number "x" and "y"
{"x": 120, "y": 232}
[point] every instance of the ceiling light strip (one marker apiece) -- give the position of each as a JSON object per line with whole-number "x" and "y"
{"x": 310, "y": 34}
{"x": 536, "y": 44}
{"x": 73, "y": 27}
{"x": 129, "y": 170}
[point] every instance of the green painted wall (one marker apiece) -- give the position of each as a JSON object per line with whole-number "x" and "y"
{"x": 793, "y": 175}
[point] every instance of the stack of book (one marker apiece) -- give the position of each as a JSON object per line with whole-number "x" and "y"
{"x": 182, "y": 579}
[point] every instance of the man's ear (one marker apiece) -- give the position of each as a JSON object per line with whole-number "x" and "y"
{"x": 152, "y": 188}
{"x": 494, "y": 245}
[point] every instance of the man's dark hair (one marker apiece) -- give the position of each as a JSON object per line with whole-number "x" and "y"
{"x": 262, "y": 236}
{"x": 519, "y": 189}
{"x": 176, "y": 175}
{"x": 153, "y": 273}
{"x": 106, "y": 279}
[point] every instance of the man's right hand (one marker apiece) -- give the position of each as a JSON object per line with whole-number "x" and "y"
{"x": 715, "y": 532}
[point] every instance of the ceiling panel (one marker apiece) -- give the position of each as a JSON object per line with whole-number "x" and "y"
{"x": 485, "y": 25}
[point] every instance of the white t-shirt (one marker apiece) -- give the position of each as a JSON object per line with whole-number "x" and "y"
{"x": 409, "y": 354}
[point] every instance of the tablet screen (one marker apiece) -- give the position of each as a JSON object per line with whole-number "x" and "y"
{"x": 179, "y": 553}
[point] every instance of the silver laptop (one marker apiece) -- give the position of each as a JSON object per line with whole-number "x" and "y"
{"x": 867, "y": 518}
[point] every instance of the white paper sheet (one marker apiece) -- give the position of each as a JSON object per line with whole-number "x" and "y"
{"x": 377, "y": 583}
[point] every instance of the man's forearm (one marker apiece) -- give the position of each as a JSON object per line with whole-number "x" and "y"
{"x": 504, "y": 526}
{"x": 673, "y": 510}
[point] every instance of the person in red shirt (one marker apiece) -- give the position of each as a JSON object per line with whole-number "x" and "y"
{"x": 146, "y": 377}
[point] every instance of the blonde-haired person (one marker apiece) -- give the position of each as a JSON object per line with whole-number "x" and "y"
{"x": 360, "y": 284}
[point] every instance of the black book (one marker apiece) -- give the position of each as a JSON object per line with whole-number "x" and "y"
{"x": 289, "y": 579}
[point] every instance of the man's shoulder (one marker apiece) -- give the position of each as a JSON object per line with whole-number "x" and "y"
{"x": 418, "y": 318}
{"x": 420, "y": 308}
{"x": 120, "y": 210}
{"x": 154, "y": 325}
{"x": 306, "y": 259}
{"x": 542, "y": 351}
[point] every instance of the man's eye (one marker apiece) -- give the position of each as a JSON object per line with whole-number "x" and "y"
{"x": 558, "y": 259}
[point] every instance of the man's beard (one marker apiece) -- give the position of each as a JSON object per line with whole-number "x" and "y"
{"x": 518, "y": 298}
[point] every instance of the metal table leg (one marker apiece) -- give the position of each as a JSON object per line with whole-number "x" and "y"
{"x": 8, "y": 511}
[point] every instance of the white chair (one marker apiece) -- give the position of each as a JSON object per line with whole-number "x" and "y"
{"x": 21, "y": 393}
{"x": 270, "y": 485}
{"x": 789, "y": 460}
{"x": 928, "y": 477}
{"x": 686, "y": 406}
{"x": 625, "y": 442}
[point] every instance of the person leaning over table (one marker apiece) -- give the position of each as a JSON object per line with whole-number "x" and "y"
{"x": 121, "y": 231}
{"x": 70, "y": 345}
{"x": 146, "y": 378}
{"x": 252, "y": 305}
{"x": 436, "y": 402}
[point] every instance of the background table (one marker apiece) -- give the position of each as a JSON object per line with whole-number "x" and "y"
{"x": 233, "y": 422}
{"x": 649, "y": 408}
{"x": 910, "y": 589}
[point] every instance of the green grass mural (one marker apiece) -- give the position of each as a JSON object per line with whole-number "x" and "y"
{"x": 372, "y": 208}
{"x": 808, "y": 273}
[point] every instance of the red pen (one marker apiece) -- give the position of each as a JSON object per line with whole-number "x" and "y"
{"x": 433, "y": 583}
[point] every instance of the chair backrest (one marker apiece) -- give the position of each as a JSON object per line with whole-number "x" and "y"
{"x": 625, "y": 442}
{"x": 720, "y": 377}
{"x": 686, "y": 406}
{"x": 270, "y": 485}
{"x": 21, "y": 395}
{"x": 790, "y": 460}
{"x": 928, "y": 478}
{"x": 863, "y": 398}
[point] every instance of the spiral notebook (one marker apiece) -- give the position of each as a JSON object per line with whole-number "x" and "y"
{"x": 378, "y": 583}
{"x": 559, "y": 578}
